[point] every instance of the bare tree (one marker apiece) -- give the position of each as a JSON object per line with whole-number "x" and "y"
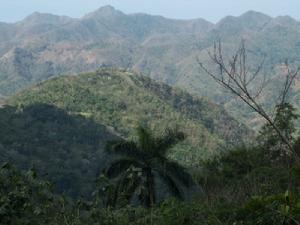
{"x": 239, "y": 79}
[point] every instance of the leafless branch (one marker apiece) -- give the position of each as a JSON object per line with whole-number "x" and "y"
{"x": 290, "y": 77}
{"x": 238, "y": 79}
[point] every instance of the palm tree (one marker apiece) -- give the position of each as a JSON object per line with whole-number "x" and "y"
{"x": 142, "y": 161}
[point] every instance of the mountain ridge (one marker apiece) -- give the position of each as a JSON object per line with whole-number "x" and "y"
{"x": 111, "y": 10}
{"x": 163, "y": 49}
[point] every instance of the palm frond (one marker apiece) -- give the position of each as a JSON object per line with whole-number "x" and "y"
{"x": 121, "y": 165}
{"x": 148, "y": 196}
{"x": 125, "y": 188}
{"x": 115, "y": 194}
{"x": 129, "y": 187}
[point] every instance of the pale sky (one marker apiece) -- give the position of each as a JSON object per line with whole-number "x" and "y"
{"x": 211, "y": 10}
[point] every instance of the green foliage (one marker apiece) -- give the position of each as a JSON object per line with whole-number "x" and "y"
{"x": 285, "y": 117}
{"x": 170, "y": 212}
{"x": 272, "y": 210}
{"x": 251, "y": 186}
{"x": 235, "y": 164}
{"x": 24, "y": 199}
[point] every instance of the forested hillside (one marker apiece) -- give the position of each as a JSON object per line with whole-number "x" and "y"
{"x": 123, "y": 100}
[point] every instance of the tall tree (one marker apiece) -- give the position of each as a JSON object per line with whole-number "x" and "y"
{"x": 142, "y": 162}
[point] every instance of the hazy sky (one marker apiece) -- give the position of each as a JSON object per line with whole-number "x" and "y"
{"x": 212, "y": 10}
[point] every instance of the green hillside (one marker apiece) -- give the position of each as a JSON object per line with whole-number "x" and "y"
{"x": 122, "y": 100}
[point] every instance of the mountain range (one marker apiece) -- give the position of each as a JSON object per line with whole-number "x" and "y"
{"x": 43, "y": 46}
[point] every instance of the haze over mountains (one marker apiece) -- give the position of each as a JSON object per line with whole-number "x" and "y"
{"x": 43, "y": 46}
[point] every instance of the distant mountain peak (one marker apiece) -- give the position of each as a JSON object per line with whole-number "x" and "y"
{"x": 251, "y": 14}
{"x": 249, "y": 20}
{"x": 105, "y": 11}
{"x": 38, "y": 17}
{"x": 107, "y": 8}
{"x": 253, "y": 19}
